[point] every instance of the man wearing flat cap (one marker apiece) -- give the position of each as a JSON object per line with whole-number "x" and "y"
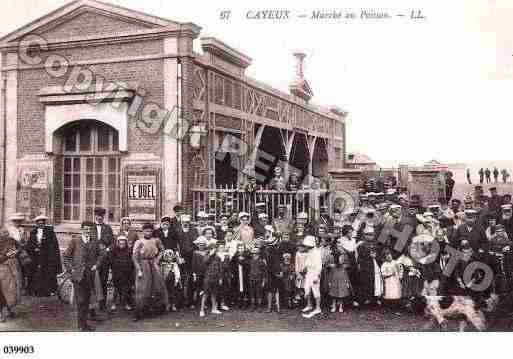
{"x": 506, "y": 219}
{"x": 43, "y": 249}
{"x": 174, "y": 222}
{"x": 166, "y": 234}
{"x": 495, "y": 201}
{"x": 105, "y": 237}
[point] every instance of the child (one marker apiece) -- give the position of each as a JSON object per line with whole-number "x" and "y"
{"x": 411, "y": 282}
{"x": 339, "y": 283}
{"x": 213, "y": 277}
{"x": 119, "y": 260}
{"x": 299, "y": 266}
{"x": 327, "y": 261}
{"x": 272, "y": 255}
{"x": 171, "y": 274}
{"x": 198, "y": 267}
{"x": 239, "y": 283}
{"x": 231, "y": 243}
{"x": 257, "y": 269}
{"x": 224, "y": 289}
{"x": 287, "y": 279}
{"x": 391, "y": 273}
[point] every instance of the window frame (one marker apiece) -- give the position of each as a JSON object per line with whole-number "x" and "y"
{"x": 83, "y": 156}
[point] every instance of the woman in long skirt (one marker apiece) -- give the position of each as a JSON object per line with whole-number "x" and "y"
{"x": 150, "y": 287}
{"x": 10, "y": 276}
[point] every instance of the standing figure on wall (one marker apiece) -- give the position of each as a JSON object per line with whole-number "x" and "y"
{"x": 45, "y": 256}
{"x": 105, "y": 237}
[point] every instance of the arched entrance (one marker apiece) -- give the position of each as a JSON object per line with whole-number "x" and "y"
{"x": 300, "y": 155}
{"x": 271, "y": 152}
{"x": 87, "y": 171}
{"x": 320, "y": 159}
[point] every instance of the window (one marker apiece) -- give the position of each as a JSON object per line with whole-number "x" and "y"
{"x": 91, "y": 171}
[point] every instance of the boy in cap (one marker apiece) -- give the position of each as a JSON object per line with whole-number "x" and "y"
{"x": 257, "y": 270}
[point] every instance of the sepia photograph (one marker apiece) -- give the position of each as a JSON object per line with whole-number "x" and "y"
{"x": 255, "y": 167}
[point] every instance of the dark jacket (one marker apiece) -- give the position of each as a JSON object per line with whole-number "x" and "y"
{"x": 79, "y": 257}
{"x": 476, "y": 236}
{"x": 45, "y": 262}
{"x": 106, "y": 237}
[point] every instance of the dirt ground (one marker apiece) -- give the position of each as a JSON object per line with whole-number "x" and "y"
{"x": 50, "y": 315}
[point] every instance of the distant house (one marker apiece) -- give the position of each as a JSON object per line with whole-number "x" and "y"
{"x": 361, "y": 161}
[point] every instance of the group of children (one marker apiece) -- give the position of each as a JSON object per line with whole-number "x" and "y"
{"x": 272, "y": 273}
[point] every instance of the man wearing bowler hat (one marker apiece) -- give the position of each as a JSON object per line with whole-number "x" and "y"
{"x": 82, "y": 259}
{"x": 105, "y": 237}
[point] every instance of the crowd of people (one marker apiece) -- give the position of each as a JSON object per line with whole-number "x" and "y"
{"x": 250, "y": 261}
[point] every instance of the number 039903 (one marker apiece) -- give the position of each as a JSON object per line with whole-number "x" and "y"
{"x": 18, "y": 349}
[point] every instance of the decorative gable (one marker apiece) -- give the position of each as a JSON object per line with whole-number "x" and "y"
{"x": 90, "y": 23}
{"x": 90, "y": 18}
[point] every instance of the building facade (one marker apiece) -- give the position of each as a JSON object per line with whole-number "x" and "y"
{"x": 108, "y": 107}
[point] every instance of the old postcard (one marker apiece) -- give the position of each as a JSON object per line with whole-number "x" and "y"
{"x": 331, "y": 166}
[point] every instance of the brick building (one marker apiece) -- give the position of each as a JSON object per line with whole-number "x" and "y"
{"x": 106, "y": 106}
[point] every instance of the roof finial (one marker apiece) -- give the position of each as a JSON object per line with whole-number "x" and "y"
{"x": 300, "y": 62}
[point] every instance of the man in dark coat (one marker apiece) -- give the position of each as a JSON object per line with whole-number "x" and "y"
{"x": 470, "y": 231}
{"x": 166, "y": 234}
{"x": 105, "y": 237}
{"x": 495, "y": 201}
{"x": 183, "y": 242}
{"x": 44, "y": 252}
{"x": 82, "y": 259}
{"x": 495, "y": 174}
{"x": 487, "y": 175}
{"x": 449, "y": 186}
{"x": 174, "y": 222}
{"x": 481, "y": 175}
{"x": 506, "y": 219}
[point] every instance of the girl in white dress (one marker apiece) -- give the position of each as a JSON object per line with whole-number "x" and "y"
{"x": 391, "y": 272}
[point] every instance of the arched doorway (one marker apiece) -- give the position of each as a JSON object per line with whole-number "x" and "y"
{"x": 88, "y": 171}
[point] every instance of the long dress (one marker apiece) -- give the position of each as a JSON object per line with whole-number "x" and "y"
{"x": 151, "y": 285}
{"x": 10, "y": 278}
{"x": 392, "y": 280}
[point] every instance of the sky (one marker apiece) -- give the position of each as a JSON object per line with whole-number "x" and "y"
{"x": 414, "y": 89}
